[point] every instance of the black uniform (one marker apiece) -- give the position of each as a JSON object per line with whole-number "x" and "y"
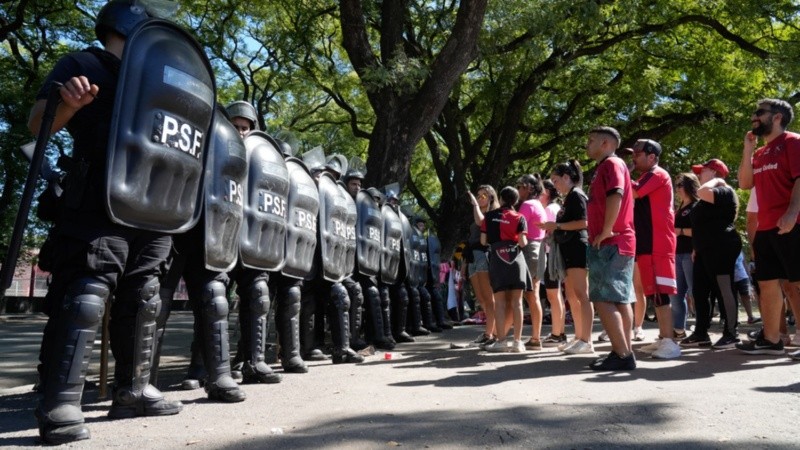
{"x": 93, "y": 259}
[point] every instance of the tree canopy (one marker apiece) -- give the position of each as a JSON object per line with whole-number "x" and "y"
{"x": 444, "y": 95}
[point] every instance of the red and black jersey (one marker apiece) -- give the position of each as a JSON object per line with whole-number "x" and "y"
{"x": 653, "y": 213}
{"x": 503, "y": 224}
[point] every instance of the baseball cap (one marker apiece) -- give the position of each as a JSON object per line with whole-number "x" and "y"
{"x": 649, "y": 146}
{"x": 624, "y": 151}
{"x": 713, "y": 164}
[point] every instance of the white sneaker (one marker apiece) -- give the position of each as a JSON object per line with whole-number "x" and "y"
{"x": 667, "y": 349}
{"x": 795, "y": 342}
{"x": 580, "y": 348}
{"x": 638, "y": 334}
{"x": 650, "y": 348}
{"x": 603, "y": 337}
{"x": 568, "y": 344}
{"x": 517, "y": 347}
{"x": 497, "y": 347}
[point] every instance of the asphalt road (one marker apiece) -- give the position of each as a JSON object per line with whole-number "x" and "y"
{"x": 431, "y": 396}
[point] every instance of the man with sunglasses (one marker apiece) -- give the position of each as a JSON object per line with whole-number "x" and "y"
{"x": 774, "y": 170}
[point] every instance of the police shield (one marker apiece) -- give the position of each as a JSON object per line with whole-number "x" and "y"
{"x": 264, "y": 228}
{"x": 332, "y": 224}
{"x": 350, "y": 225}
{"x": 420, "y": 256}
{"x": 226, "y": 171}
{"x": 159, "y": 130}
{"x": 411, "y": 256}
{"x": 434, "y": 257}
{"x": 301, "y": 225}
{"x": 369, "y": 229}
{"x": 392, "y": 245}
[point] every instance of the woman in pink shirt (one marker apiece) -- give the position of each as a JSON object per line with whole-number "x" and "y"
{"x": 530, "y": 188}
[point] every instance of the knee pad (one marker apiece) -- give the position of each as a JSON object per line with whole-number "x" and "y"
{"x": 215, "y": 303}
{"x": 339, "y": 297}
{"x": 383, "y": 292}
{"x": 356, "y": 294}
{"x": 86, "y": 300}
{"x": 660, "y": 300}
{"x": 373, "y": 296}
{"x": 149, "y": 300}
{"x": 258, "y": 298}
{"x": 289, "y": 299}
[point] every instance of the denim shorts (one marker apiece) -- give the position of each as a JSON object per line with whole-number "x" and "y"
{"x": 610, "y": 275}
{"x": 480, "y": 262}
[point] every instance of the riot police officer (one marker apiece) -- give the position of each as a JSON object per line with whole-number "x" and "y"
{"x": 261, "y": 242}
{"x": 100, "y": 249}
{"x": 434, "y": 286}
{"x": 363, "y": 285}
{"x": 324, "y": 286}
{"x": 395, "y": 265}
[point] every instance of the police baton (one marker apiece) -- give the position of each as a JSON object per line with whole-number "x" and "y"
{"x": 10, "y": 263}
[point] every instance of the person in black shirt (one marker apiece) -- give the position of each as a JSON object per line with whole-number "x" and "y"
{"x": 686, "y": 186}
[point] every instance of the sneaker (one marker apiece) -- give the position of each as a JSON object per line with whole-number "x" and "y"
{"x": 533, "y": 345}
{"x": 795, "y": 355}
{"x": 761, "y": 347}
{"x": 554, "y": 341}
{"x": 726, "y": 341}
{"x": 603, "y": 337}
{"x": 651, "y": 347}
{"x": 481, "y": 339}
{"x": 497, "y": 347}
{"x": 696, "y": 340}
{"x": 612, "y": 361}
{"x": 753, "y": 320}
{"x": 667, "y": 349}
{"x": 756, "y": 334}
{"x": 579, "y": 348}
{"x": 566, "y": 345}
{"x": 678, "y": 336}
{"x": 518, "y": 347}
{"x": 638, "y": 334}
{"x": 795, "y": 341}
{"x": 491, "y": 341}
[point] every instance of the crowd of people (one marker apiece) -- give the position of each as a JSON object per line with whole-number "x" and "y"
{"x": 629, "y": 244}
{"x": 164, "y": 184}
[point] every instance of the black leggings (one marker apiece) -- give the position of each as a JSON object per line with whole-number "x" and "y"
{"x": 713, "y": 275}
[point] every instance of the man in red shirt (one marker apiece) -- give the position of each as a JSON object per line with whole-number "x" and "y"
{"x": 774, "y": 170}
{"x": 612, "y": 247}
{"x": 654, "y": 217}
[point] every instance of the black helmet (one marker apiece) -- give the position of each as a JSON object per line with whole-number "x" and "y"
{"x": 244, "y": 110}
{"x": 120, "y": 16}
{"x": 355, "y": 169}
{"x": 376, "y": 194}
{"x": 336, "y": 163}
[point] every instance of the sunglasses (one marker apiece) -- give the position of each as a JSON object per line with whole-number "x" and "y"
{"x": 482, "y": 195}
{"x": 760, "y": 112}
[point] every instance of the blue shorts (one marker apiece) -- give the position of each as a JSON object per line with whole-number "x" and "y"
{"x": 610, "y": 275}
{"x": 480, "y": 262}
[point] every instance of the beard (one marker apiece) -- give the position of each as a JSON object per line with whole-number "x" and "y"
{"x": 763, "y": 129}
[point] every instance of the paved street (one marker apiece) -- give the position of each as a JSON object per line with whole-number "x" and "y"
{"x": 431, "y": 396}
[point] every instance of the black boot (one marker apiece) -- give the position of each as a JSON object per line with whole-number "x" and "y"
{"x": 356, "y": 303}
{"x": 338, "y": 317}
{"x": 133, "y": 395}
{"x": 308, "y": 324}
{"x": 254, "y": 307}
{"x": 196, "y": 374}
{"x": 400, "y": 314}
{"x": 373, "y": 326}
{"x": 414, "y": 314}
{"x": 74, "y": 328}
{"x": 216, "y": 348}
{"x": 386, "y": 314}
{"x": 426, "y": 306}
{"x": 287, "y": 320}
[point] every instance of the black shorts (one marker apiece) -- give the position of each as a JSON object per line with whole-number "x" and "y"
{"x": 574, "y": 253}
{"x": 777, "y": 255}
